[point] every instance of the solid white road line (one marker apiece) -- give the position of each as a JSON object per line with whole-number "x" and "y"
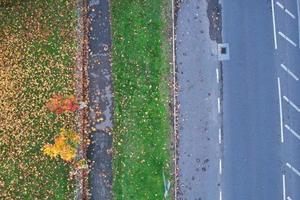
{"x": 298, "y": 13}
{"x": 217, "y": 74}
{"x": 280, "y": 110}
{"x": 219, "y": 105}
{"x": 289, "y": 72}
{"x": 274, "y": 25}
{"x": 287, "y": 39}
{"x": 283, "y": 187}
{"x": 220, "y": 166}
{"x": 291, "y": 103}
{"x": 174, "y": 98}
{"x": 293, "y": 169}
{"x": 220, "y": 136}
{"x": 292, "y": 131}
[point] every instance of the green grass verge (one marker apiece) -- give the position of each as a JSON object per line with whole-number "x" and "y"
{"x": 37, "y": 59}
{"x": 142, "y": 121}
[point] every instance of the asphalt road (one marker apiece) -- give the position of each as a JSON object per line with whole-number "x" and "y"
{"x": 100, "y": 100}
{"x": 261, "y": 100}
{"x": 197, "y": 62}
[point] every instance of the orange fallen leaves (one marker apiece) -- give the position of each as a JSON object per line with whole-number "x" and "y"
{"x": 65, "y": 145}
{"x": 60, "y": 104}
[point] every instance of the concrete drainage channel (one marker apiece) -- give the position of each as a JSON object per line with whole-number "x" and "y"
{"x": 100, "y": 100}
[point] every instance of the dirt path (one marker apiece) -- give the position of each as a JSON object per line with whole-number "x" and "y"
{"x": 100, "y": 100}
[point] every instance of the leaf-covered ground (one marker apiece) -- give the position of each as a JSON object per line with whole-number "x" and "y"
{"x": 37, "y": 58}
{"x": 142, "y": 124}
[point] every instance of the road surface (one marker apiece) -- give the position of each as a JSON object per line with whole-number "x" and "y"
{"x": 100, "y": 100}
{"x": 261, "y": 107}
{"x": 199, "y": 97}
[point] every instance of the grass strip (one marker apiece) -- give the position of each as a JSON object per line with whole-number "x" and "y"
{"x": 142, "y": 123}
{"x": 37, "y": 59}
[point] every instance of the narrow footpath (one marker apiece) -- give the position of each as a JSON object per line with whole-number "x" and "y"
{"x": 200, "y": 99}
{"x": 100, "y": 100}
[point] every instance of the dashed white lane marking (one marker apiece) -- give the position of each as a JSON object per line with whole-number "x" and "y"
{"x": 289, "y": 198}
{"x": 285, "y": 10}
{"x": 280, "y": 110}
{"x": 289, "y": 13}
{"x": 219, "y": 105}
{"x": 220, "y": 194}
{"x": 293, "y": 169}
{"x": 217, "y": 74}
{"x": 298, "y": 13}
{"x": 289, "y": 72}
{"x": 291, "y": 103}
{"x": 283, "y": 187}
{"x": 292, "y": 131}
{"x": 280, "y": 5}
{"x": 287, "y": 39}
{"x": 220, "y": 166}
{"x": 220, "y": 136}
{"x": 274, "y": 25}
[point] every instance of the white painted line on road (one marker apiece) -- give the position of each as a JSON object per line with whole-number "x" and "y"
{"x": 280, "y": 110}
{"x": 274, "y": 25}
{"x": 285, "y": 10}
{"x": 283, "y": 187}
{"x": 298, "y": 13}
{"x": 219, "y": 105}
{"x": 289, "y": 13}
{"x": 289, "y": 198}
{"x": 292, "y": 131}
{"x": 175, "y": 125}
{"x": 293, "y": 168}
{"x": 220, "y": 166}
{"x": 289, "y": 72}
{"x": 280, "y": 5}
{"x": 217, "y": 74}
{"x": 287, "y": 39}
{"x": 220, "y": 195}
{"x": 220, "y": 136}
{"x": 291, "y": 103}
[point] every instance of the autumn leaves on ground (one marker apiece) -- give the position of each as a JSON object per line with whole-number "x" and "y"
{"x": 38, "y": 46}
{"x": 38, "y": 138}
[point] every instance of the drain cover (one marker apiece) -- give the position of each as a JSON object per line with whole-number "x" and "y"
{"x": 223, "y": 51}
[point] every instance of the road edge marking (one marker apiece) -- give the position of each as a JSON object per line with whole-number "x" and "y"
{"x": 274, "y": 25}
{"x": 283, "y": 187}
{"x": 280, "y": 110}
{"x": 298, "y": 13}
